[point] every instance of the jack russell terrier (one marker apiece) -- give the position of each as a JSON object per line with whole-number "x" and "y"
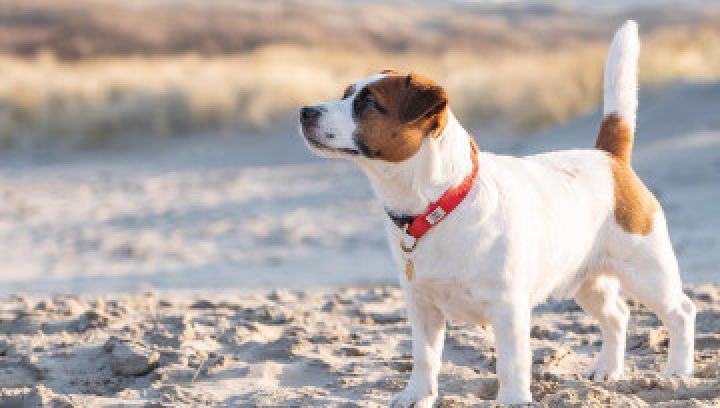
{"x": 484, "y": 238}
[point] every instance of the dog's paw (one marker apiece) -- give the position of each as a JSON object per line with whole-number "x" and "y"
{"x": 604, "y": 370}
{"x": 514, "y": 397}
{"x": 411, "y": 398}
{"x": 680, "y": 363}
{"x": 679, "y": 369}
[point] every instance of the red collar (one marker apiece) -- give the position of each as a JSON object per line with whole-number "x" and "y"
{"x": 418, "y": 225}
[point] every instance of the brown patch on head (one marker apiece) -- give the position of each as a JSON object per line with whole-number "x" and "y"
{"x": 403, "y": 109}
{"x": 615, "y": 137}
{"x": 635, "y": 205}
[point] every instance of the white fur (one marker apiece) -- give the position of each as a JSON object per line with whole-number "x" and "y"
{"x": 530, "y": 227}
{"x": 621, "y": 74}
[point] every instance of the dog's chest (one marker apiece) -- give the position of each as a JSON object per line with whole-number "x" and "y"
{"x": 458, "y": 302}
{"x": 455, "y": 280}
{"x": 458, "y": 266}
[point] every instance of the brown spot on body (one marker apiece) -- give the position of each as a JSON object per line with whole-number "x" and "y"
{"x": 635, "y": 205}
{"x": 568, "y": 173}
{"x": 404, "y": 109}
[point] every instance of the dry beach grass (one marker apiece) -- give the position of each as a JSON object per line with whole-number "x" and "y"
{"x": 159, "y": 70}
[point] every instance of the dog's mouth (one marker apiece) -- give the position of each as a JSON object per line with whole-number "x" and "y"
{"x": 322, "y": 146}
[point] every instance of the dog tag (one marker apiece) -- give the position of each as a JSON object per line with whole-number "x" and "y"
{"x": 407, "y": 256}
{"x": 409, "y": 269}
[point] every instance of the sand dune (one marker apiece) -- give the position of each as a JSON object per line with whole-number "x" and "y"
{"x": 259, "y": 211}
{"x": 204, "y": 220}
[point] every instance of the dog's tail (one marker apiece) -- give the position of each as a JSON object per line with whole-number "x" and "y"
{"x": 618, "y": 126}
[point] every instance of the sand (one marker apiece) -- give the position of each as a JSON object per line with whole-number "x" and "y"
{"x": 208, "y": 225}
{"x": 339, "y": 347}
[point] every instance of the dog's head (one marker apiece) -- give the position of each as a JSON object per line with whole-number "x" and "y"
{"x": 384, "y": 117}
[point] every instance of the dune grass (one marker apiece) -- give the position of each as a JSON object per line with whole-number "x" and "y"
{"x": 87, "y": 102}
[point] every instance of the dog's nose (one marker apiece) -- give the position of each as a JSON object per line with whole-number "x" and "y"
{"x": 309, "y": 115}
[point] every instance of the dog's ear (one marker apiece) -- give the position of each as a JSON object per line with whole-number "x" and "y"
{"x": 423, "y": 99}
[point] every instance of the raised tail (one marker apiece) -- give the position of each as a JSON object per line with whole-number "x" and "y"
{"x": 620, "y": 98}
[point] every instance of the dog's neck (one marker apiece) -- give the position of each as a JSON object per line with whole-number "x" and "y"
{"x": 407, "y": 188}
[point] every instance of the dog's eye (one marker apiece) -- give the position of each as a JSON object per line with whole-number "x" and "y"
{"x": 366, "y": 102}
{"x": 372, "y": 103}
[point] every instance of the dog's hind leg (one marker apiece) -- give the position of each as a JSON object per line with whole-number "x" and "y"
{"x": 599, "y": 297}
{"x": 651, "y": 275}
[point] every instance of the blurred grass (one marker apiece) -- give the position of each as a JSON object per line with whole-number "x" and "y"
{"x": 250, "y": 65}
{"x": 87, "y": 102}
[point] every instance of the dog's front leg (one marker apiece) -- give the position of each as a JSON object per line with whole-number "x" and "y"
{"x": 511, "y": 324}
{"x": 428, "y": 336}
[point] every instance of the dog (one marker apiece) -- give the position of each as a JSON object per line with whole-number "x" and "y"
{"x": 483, "y": 238}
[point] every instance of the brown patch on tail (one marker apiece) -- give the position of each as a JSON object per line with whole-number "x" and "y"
{"x": 615, "y": 137}
{"x": 635, "y": 205}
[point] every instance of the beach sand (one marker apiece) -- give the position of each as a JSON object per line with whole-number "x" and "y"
{"x": 208, "y": 225}
{"x": 339, "y": 347}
